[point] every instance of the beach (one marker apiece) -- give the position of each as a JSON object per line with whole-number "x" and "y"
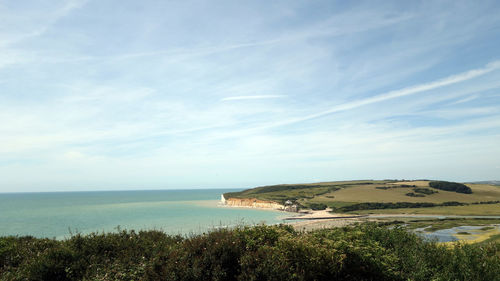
{"x": 312, "y": 220}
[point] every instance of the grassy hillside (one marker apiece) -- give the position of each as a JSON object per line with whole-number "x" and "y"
{"x": 344, "y": 193}
{"x": 364, "y": 252}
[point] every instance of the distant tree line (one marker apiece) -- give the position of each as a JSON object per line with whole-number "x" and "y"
{"x": 397, "y": 205}
{"x": 401, "y": 205}
{"x": 279, "y": 188}
{"x": 450, "y": 186}
{"x": 317, "y": 206}
{"x": 485, "y": 202}
{"x": 274, "y": 188}
{"x": 395, "y": 186}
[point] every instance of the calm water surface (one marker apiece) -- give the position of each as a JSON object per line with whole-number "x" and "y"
{"x": 58, "y": 214}
{"x": 448, "y": 235}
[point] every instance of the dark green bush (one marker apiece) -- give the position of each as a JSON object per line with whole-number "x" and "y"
{"x": 397, "y": 205}
{"x": 411, "y": 194}
{"x": 55, "y": 264}
{"x": 317, "y": 206}
{"x": 363, "y": 252}
{"x": 450, "y": 186}
{"x": 424, "y": 190}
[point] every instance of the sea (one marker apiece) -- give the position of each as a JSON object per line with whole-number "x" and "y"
{"x": 62, "y": 214}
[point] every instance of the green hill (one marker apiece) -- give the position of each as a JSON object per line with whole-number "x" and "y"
{"x": 349, "y": 196}
{"x": 364, "y": 252}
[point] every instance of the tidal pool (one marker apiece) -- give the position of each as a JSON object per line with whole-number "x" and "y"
{"x": 450, "y": 234}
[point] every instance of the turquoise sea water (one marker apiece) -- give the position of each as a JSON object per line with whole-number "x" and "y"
{"x": 57, "y": 214}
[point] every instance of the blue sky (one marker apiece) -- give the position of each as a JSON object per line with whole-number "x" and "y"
{"x": 100, "y": 95}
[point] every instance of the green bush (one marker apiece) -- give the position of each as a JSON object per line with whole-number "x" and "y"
{"x": 451, "y": 186}
{"x": 55, "y": 264}
{"x": 362, "y": 252}
{"x": 424, "y": 190}
{"x": 317, "y": 206}
{"x": 411, "y": 194}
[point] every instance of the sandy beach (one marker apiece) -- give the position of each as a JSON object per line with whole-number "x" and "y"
{"x": 322, "y": 219}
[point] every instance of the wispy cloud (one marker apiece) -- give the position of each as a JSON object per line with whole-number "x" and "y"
{"x": 471, "y": 74}
{"x": 325, "y": 28}
{"x": 45, "y": 22}
{"x": 258, "y": 97}
{"x": 467, "y": 99}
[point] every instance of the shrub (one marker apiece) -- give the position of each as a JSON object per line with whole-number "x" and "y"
{"x": 411, "y": 194}
{"x": 363, "y": 252}
{"x": 450, "y": 186}
{"x": 54, "y": 264}
{"x": 424, "y": 190}
{"x": 317, "y": 206}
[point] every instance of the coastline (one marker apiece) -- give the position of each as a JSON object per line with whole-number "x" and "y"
{"x": 300, "y": 221}
{"x": 312, "y": 220}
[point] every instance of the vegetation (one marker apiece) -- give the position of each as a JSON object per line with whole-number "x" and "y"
{"x": 487, "y": 228}
{"x": 317, "y": 206}
{"x": 395, "y": 186}
{"x": 411, "y": 194}
{"x": 363, "y": 252}
{"x": 398, "y": 205}
{"x": 285, "y": 192}
{"x": 491, "y": 239}
{"x": 432, "y": 225}
{"x": 420, "y": 192}
{"x": 424, "y": 190}
{"x": 389, "y": 192}
{"x": 464, "y": 210}
{"x": 451, "y": 186}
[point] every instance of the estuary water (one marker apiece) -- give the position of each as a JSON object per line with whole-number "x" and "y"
{"x": 58, "y": 214}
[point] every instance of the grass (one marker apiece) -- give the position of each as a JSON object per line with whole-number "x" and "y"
{"x": 492, "y": 239}
{"x": 487, "y": 228}
{"x": 372, "y": 194}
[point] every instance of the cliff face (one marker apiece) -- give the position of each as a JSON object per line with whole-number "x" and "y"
{"x": 252, "y": 203}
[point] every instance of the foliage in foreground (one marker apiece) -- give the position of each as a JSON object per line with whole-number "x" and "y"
{"x": 364, "y": 252}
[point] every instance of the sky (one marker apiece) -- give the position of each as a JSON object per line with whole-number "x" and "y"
{"x": 116, "y": 95}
